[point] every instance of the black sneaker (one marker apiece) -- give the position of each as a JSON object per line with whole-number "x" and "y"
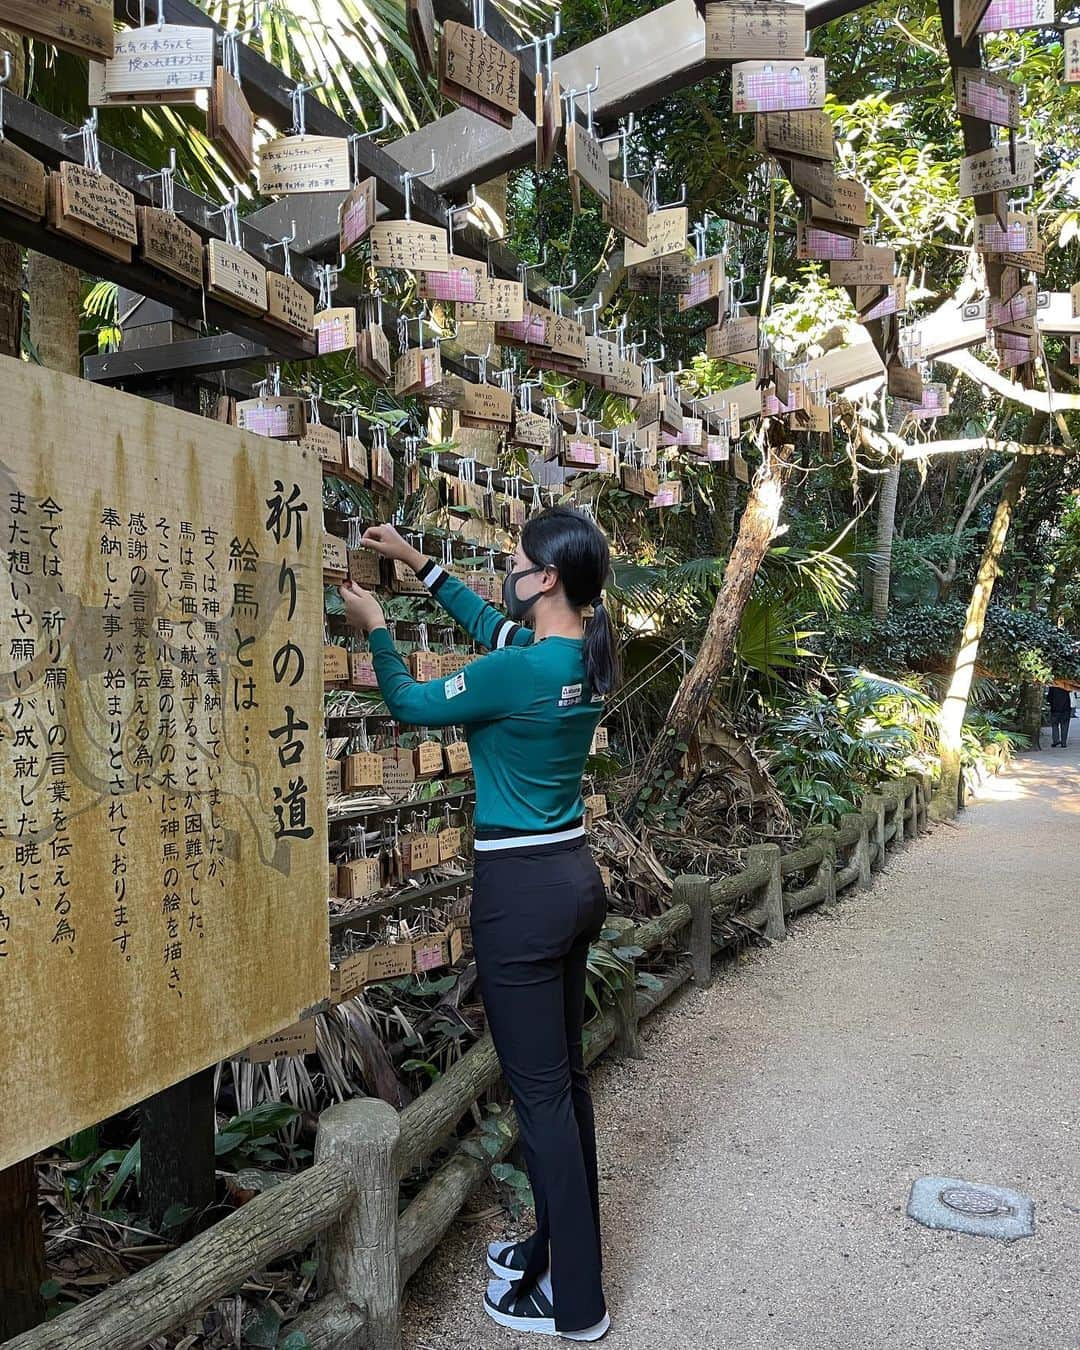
{"x": 532, "y": 1312}
{"x": 508, "y": 1261}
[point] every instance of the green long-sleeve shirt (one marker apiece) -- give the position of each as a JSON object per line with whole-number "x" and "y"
{"x": 527, "y": 707}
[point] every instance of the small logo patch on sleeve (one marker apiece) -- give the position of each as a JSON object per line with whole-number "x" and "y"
{"x": 454, "y": 685}
{"x": 571, "y": 694}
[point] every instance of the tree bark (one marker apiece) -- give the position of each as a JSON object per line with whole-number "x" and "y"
{"x": 886, "y": 520}
{"x": 55, "y": 295}
{"x": 944, "y": 804}
{"x": 724, "y": 515}
{"x": 756, "y": 530}
{"x": 22, "y": 1250}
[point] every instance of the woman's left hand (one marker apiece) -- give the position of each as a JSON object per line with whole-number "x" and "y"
{"x": 362, "y": 610}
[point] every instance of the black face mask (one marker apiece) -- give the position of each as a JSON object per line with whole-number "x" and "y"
{"x": 512, "y": 602}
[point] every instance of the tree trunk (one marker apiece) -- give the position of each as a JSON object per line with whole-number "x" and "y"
{"x": 55, "y": 296}
{"x": 22, "y": 1251}
{"x": 724, "y": 515}
{"x": 11, "y": 288}
{"x": 1030, "y": 707}
{"x": 954, "y": 708}
{"x": 886, "y": 519}
{"x": 756, "y": 529}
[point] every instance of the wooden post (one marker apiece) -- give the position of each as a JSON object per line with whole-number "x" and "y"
{"x": 775, "y": 927}
{"x": 22, "y": 1250}
{"x": 825, "y": 835}
{"x": 695, "y": 892}
{"x": 627, "y": 1040}
{"x": 358, "y": 1255}
{"x": 861, "y": 854}
{"x": 177, "y": 1146}
{"x": 874, "y": 804}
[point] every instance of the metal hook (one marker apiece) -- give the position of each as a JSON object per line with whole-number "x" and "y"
{"x": 406, "y": 183}
{"x": 230, "y": 39}
{"x": 452, "y": 212}
{"x": 481, "y": 363}
{"x": 167, "y": 175}
{"x": 283, "y": 244}
{"x": 88, "y": 133}
{"x": 354, "y": 145}
{"x": 589, "y": 309}
{"x": 525, "y": 268}
{"x": 297, "y": 96}
{"x": 5, "y": 75}
{"x": 699, "y": 235}
{"x": 557, "y": 291}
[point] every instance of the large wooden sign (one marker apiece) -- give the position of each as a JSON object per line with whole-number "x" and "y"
{"x": 84, "y": 27}
{"x": 295, "y": 164}
{"x": 169, "y": 59}
{"x": 777, "y": 86}
{"x": 163, "y": 855}
{"x": 993, "y": 170}
{"x": 738, "y": 30}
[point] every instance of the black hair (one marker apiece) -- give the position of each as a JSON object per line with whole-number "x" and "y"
{"x": 574, "y": 545}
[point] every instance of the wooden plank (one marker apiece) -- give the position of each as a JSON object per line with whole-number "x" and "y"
{"x": 738, "y": 30}
{"x": 172, "y": 955}
{"x": 85, "y": 27}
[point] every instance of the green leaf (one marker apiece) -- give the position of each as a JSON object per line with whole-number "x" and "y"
{"x": 129, "y": 1167}
{"x": 50, "y": 1290}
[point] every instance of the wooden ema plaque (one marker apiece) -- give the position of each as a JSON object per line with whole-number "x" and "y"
{"x": 869, "y": 306}
{"x": 335, "y": 558}
{"x": 1071, "y": 42}
{"x": 230, "y": 123}
{"x": 170, "y": 59}
{"x": 485, "y": 403}
{"x": 409, "y": 244}
{"x": 175, "y": 965}
{"x": 988, "y": 96}
{"x": 96, "y": 96}
{"x": 847, "y": 212}
{"x": 299, "y": 1039}
{"x": 1074, "y": 296}
{"x": 420, "y": 21}
{"x": 549, "y": 120}
{"x": 364, "y": 769}
{"x": 359, "y": 878}
{"x": 84, "y": 27}
{"x": 967, "y": 15}
{"x": 877, "y": 265}
{"x": 777, "y": 86}
{"x": 289, "y": 305}
{"x": 707, "y": 282}
{"x": 666, "y": 236}
{"x": 904, "y": 381}
{"x": 627, "y": 212}
{"x": 364, "y": 566}
{"x": 736, "y": 337}
{"x": 167, "y": 243}
{"x": 450, "y": 843}
{"x": 460, "y": 281}
{"x": 1074, "y": 349}
{"x": 398, "y": 772}
{"x": 325, "y": 444}
{"x": 335, "y": 664}
{"x": 356, "y": 215}
{"x": 295, "y": 164}
{"x": 90, "y": 198}
{"x": 234, "y": 277}
{"x": 992, "y": 170}
{"x": 814, "y": 179}
{"x": 76, "y": 229}
{"x": 281, "y": 417}
{"x": 1007, "y": 14}
{"x": 458, "y": 759}
{"x": 1019, "y": 235}
{"x": 497, "y": 301}
{"x": 417, "y": 369}
{"x": 811, "y": 242}
{"x": 335, "y": 330}
{"x": 474, "y": 62}
{"x": 804, "y": 135}
{"x": 586, "y": 161}
{"x": 22, "y": 182}
{"x": 740, "y": 30}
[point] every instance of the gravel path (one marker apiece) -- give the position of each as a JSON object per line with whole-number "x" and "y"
{"x": 755, "y": 1165}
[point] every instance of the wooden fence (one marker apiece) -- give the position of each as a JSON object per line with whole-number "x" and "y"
{"x": 348, "y": 1198}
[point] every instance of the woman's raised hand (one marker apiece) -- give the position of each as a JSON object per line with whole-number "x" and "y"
{"x": 385, "y": 540}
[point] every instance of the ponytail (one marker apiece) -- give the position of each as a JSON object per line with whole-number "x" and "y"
{"x": 601, "y": 655}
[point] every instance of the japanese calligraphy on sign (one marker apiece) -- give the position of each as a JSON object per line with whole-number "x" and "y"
{"x": 736, "y": 30}
{"x": 476, "y": 62}
{"x": 993, "y": 171}
{"x": 167, "y": 58}
{"x": 294, "y": 164}
{"x": 989, "y": 96}
{"x": 667, "y": 235}
{"x": 1071, "y": 43}
{"x": 777, "y": 86}
{"x": 807, "y": 134}
{"x": 162, "y": 795}
{"x": 84, "y": 27}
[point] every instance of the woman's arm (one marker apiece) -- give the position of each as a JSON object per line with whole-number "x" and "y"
{"x": 483, "y": 622}
{"x": 491, "y": 687}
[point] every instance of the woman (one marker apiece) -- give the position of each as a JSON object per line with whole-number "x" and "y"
{"x": 529, "y": 709}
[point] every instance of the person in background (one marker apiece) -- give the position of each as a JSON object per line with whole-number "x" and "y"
{"x": 529, "y": 709}
{"x": 1060, "y": 715}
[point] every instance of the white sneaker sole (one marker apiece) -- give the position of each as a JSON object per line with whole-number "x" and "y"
{"x": 545, "y": 1326}
{"x": 503, "y": 1272}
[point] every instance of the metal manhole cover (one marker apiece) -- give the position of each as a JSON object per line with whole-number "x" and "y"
{"x": 969, "y": 1207}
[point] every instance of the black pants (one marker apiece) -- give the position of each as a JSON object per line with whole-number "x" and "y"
{"x": 534, "y": 914}
{"x": 1059, "y": 728}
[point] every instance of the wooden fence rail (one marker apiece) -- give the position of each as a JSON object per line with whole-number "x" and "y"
{"x": 348, "y": 1200}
